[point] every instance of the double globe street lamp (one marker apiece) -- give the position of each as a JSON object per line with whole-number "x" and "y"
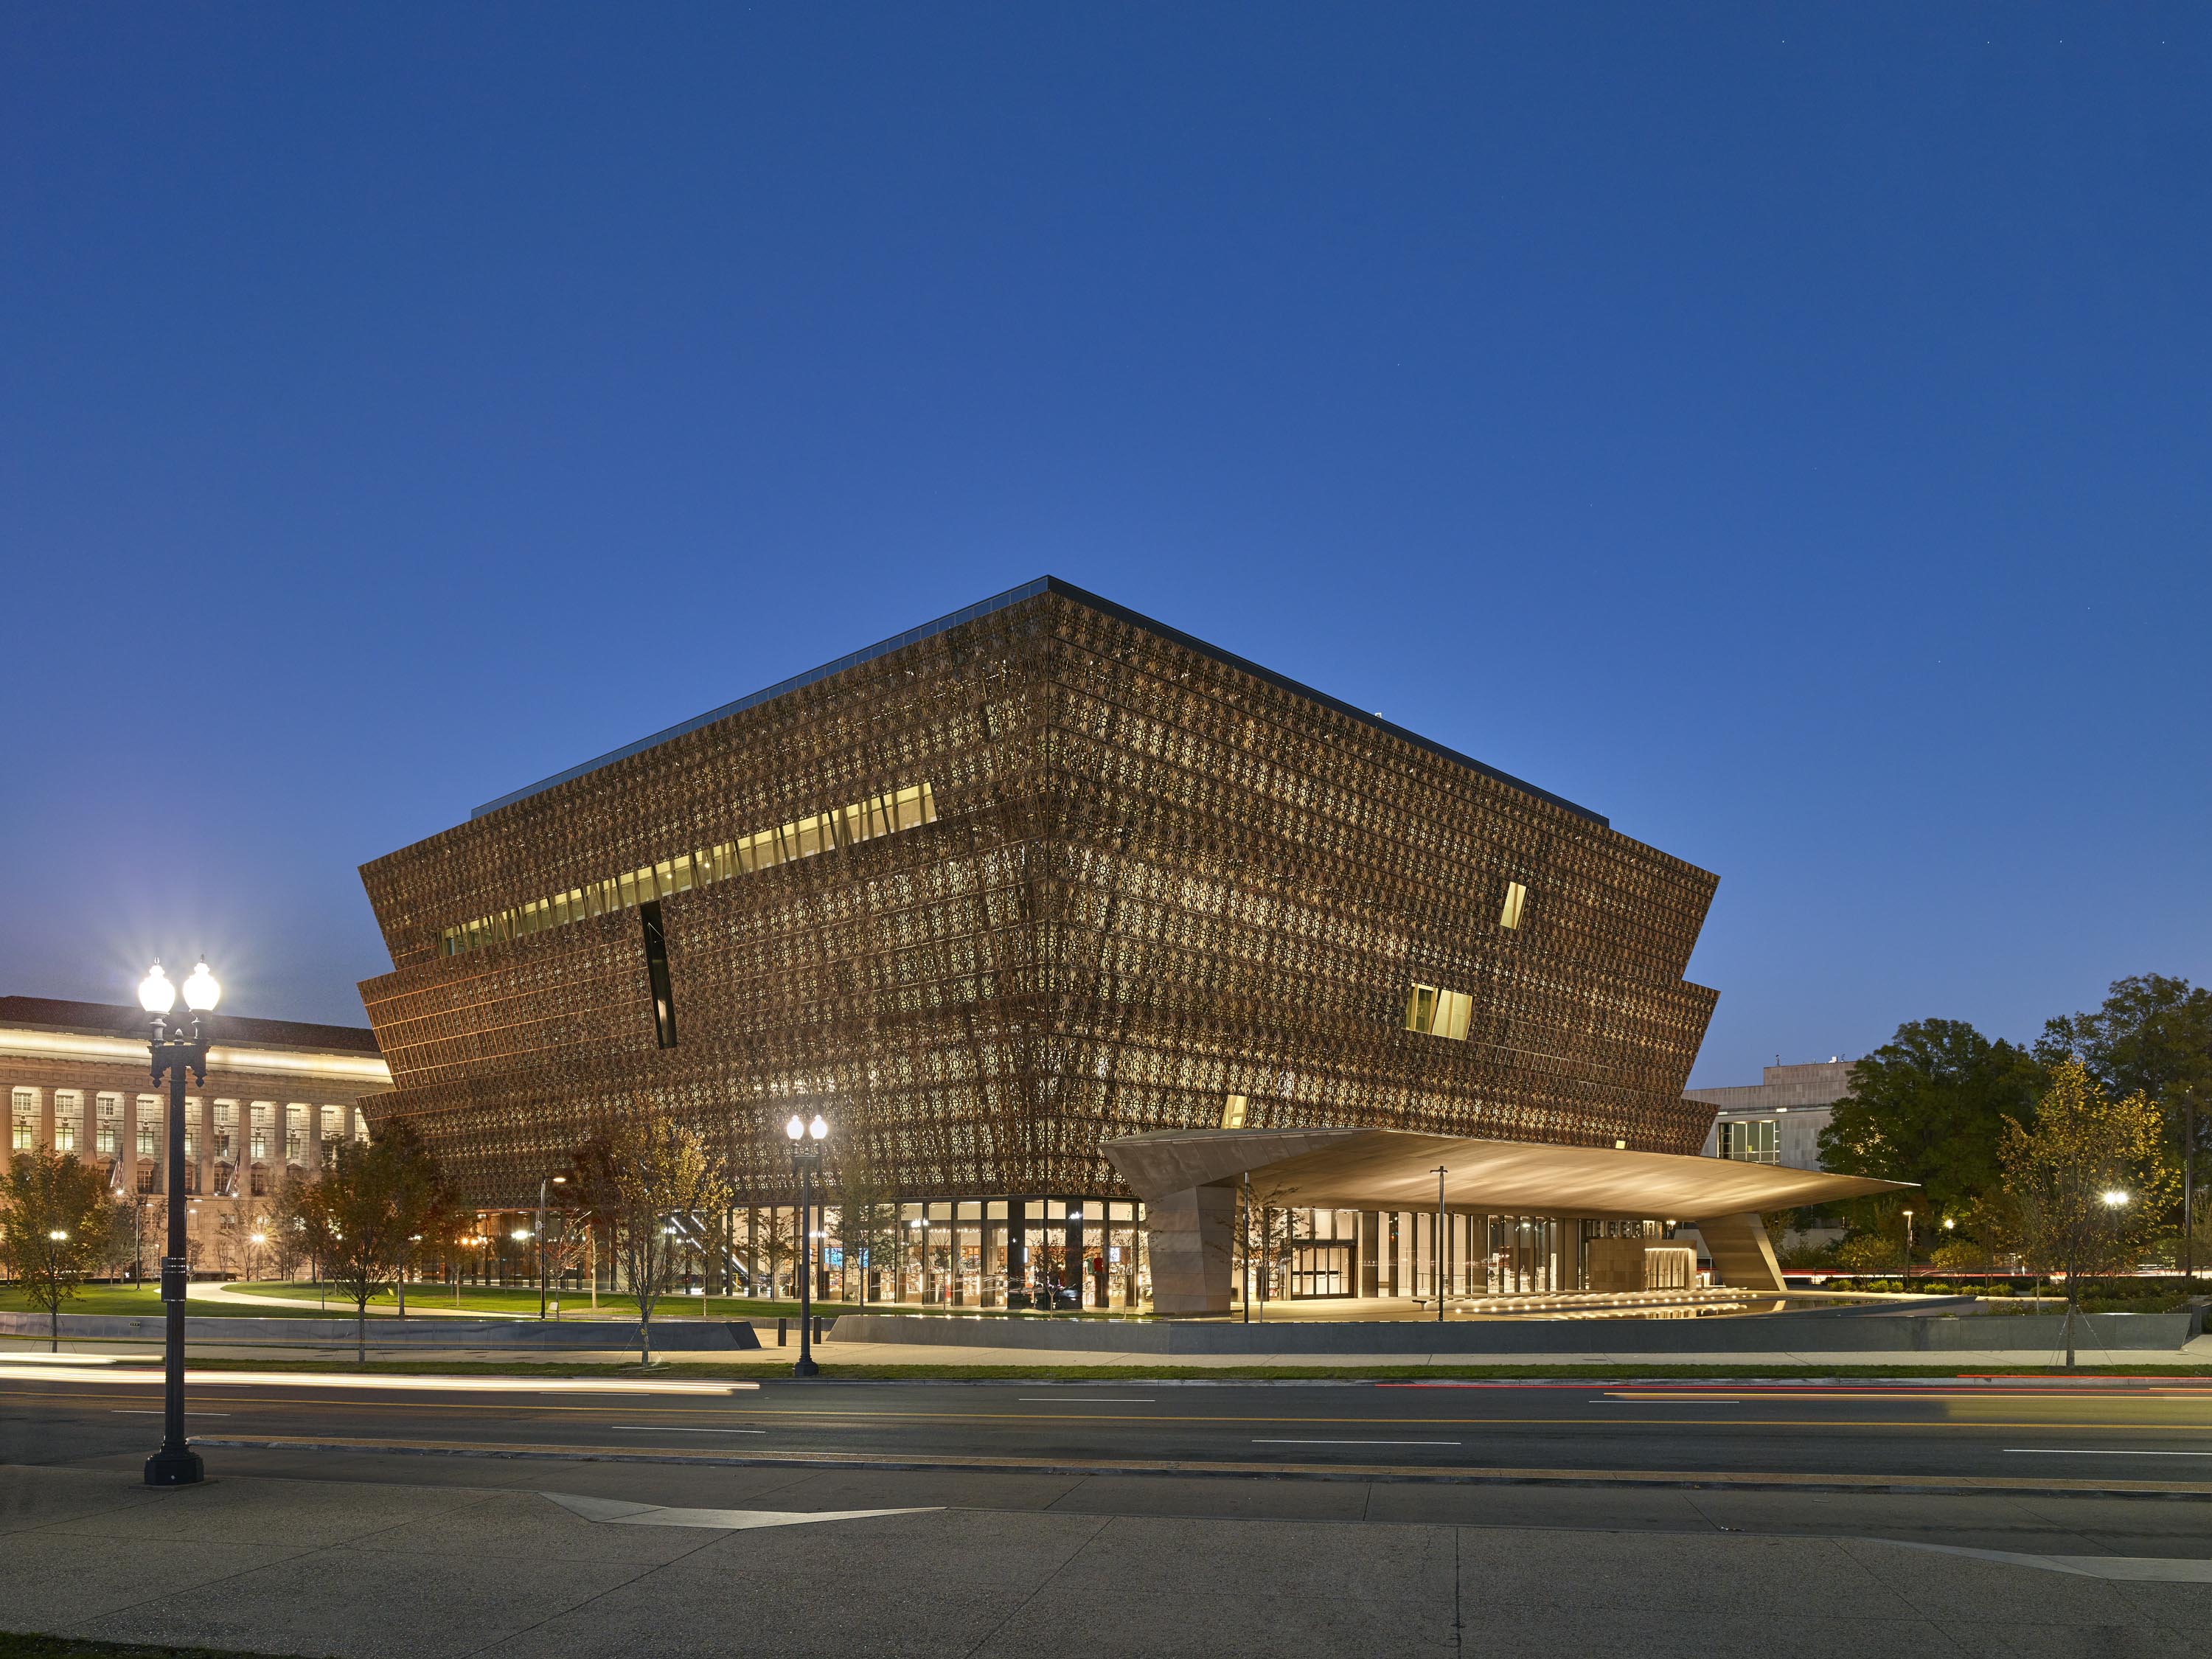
{"x": 173, "y": 1056}
{"x": 806, "y": 1140}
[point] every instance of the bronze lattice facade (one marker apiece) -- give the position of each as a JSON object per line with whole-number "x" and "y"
{"x": 1038, "y": 875}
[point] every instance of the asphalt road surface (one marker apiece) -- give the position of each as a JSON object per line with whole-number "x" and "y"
{"x": 2042, "y": 1431}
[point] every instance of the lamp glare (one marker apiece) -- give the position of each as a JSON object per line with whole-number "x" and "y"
{"x": 797, "y": 1127}
{"x": 818, "y": 1129}
{"x": 201, "y": 991}
{"x": 155, "y": 994}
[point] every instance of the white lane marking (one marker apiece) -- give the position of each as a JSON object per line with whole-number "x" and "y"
{"x": 2095, "y": 1451}
{"x": 1090, "y": 1399}
{"x": 1355, "y": 1442}
{"x": 2137, "y": 1568}
{"x": 614, "y": 1511}
{"x": 153, "y": 1411}
{"x": 670, "y": 1428}
{"x": 355, "y": 1382}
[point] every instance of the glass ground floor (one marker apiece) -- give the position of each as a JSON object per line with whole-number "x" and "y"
{"x": 1073, "y": 1254}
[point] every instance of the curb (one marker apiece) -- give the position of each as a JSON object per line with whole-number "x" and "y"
{"x": 1946, "y": 1485}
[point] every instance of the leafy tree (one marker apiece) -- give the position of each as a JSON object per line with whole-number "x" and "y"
{"x": 2062, "y": 1176}
{"x": 867, "y": 1220}
{"x": 58, "y": 1225}
{"x": 1930, "y": 1107}
{"x": 2153, "y": 1036}
{"x": 361, "y": 1217}
{"x": 1264, "y": 1243}
{"x": 639, "y": 1179}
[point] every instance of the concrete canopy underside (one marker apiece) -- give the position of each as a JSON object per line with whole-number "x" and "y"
{"x": 1189, "y": 1178}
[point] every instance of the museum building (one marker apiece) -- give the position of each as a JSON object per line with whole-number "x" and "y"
{"x": 1035, "y": 878}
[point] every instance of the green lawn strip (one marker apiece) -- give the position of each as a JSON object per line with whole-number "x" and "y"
{"x": 20, "y": 1644}
{"x": 751, "y": 1370}
{"x": 113, "y": 1301}
{"x": 523, "y": 1303}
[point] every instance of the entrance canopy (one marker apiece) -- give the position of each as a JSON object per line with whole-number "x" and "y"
{"x": 1189, "y": 1178}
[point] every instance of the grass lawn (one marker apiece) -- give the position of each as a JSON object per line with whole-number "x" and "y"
{"x": 520, "y": 1302}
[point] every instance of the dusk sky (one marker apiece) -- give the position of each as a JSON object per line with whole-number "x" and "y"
{"x": 1782, "y": 429}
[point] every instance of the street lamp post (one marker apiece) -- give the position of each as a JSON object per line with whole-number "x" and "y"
{"x": 556, "y": 1181}
{"x": 1441, "y": 1172}
{"x": 806, "y": 1140}
{"x": 1908, "y": 1250}
{"x": 176, "y": 1464}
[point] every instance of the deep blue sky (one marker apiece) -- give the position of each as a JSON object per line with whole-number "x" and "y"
{"x": 1783, "y": 429}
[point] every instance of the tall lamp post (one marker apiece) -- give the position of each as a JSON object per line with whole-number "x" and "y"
{"x": 176, "y": 1464}
{"x": 553, "y": 1180}
{"x": 806, "y": 1140}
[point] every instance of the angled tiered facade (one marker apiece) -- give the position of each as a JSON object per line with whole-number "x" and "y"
{"x": 1037, "y": 876}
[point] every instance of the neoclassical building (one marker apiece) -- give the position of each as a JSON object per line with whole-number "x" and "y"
{"x": 76, "y": 1080}
{"x": 1037, "y": 876}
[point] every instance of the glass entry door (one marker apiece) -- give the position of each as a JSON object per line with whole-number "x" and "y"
{"x": 1524, "y": 1255}
{"x": 1321, "y": 1269}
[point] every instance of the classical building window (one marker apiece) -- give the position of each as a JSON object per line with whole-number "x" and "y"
{"x": 69, "y": 1120}
{"x": 1439, "y": 1012}
{"x": 295, "y": 1132}
{"x": 149, "y": 1126}
{"x": 23, "y": 1119}
{"x": 1509, "y": 915}
{"x": 226, "y": 1128}
{"x": 1756, "y": 1141}
{"x": 110, "y": 1124}
{"x": 818, "y": 832}
{"x": 261, "y": 1121}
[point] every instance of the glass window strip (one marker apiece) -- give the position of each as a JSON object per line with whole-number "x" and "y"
{"x": 896, "y": 810}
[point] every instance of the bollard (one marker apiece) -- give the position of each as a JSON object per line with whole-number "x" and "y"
{"x": 818, "y": 1327}
{"x": 781, "y": 1326}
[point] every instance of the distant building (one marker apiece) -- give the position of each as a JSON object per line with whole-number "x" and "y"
{"x": 1777, "y": 1120}
{"x": 75, "y": 1079}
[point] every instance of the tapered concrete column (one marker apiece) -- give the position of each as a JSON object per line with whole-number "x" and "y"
{"x": 1742, "y": 1254}
{"x": 1188, "y": 1235}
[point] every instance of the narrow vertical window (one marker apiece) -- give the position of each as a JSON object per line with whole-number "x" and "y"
{"x": 1515, "y": 896}
{"x": 656, "y": 968}
{"x": 1232, "y": 1112}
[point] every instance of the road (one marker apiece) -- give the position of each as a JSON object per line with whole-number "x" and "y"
{"x": 2116, "y": 1431}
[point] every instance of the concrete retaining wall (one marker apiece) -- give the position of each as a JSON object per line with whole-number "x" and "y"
{"x": 677, "y": 1336}
{"x": 1783, "y": 1333}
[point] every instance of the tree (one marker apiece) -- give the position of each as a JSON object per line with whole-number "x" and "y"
{"x": 2086, "y": 1183}
{"x": 867, "y": 1220}
{"x": 2152, "y": 1035}
{"x": 1269, "y": 1228}
{"x": 57, "y": 1225}
{"x": 1930, "y": 1107}
{"x": 638, "y": 1178}
{"x": 361, "y": 1217}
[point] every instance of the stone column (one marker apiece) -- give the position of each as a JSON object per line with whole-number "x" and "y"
{"x": 1188, "y": 1237}
{"x": 1743, "y": 1256}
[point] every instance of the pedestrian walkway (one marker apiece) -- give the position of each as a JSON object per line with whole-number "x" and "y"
{"x": 556, "y": 1561}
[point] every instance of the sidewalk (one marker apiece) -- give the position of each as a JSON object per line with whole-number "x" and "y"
{"x": 776, "y": 1562}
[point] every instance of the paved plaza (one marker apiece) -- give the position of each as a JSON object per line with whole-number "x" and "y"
{"x": 427, "y": 1557}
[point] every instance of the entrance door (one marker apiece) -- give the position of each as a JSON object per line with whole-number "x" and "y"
{"x": 1321, "y": 1269}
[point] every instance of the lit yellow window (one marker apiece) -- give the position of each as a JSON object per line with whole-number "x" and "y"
{"x": 1421, "y": 1008}
{"x": 1515, "y": 896}
{"x": 1232, "y": 1112}
{"x": 1453, "y": 1010}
